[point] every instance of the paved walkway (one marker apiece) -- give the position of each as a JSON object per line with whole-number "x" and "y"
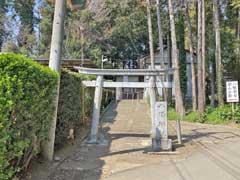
{"x": 208, "y": 153}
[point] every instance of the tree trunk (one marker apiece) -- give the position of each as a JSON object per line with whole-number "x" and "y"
{"x": 169, "y": 65}
{"x": 152, "y": 80}
{"x": 181, "y": 47}
{"x": 212, "y": 103}
{"x": 238, "y": 35}
{"x": 178, "y": 92}
{"x": 2, "y": 21}
{"x": 161, "y": 48}
{"x": 199, "y": 57}
{"x": 55, "y": 64}
{"x": 203, "y": 52}
{"x": 218, "y": 59}
{"x": 150, "y": 34}
{"x": 194, "y": 92}
{"x": 160, "y": 35}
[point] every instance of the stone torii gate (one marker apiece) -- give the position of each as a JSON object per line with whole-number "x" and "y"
{"x": 159, "y": 132}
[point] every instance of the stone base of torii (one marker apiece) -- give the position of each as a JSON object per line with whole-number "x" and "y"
{"x": 159, "y": 131}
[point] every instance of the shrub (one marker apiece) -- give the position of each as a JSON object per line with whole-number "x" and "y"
{"x": 222, "y": 114}
{"x": 75, "y": 104}
{"x": 191, "y": 116}
{"x": 218, "y": 115}
{"x": 172, "y": 114}
{"x": 27, "y": 90}
{"x": 237, "y": 114}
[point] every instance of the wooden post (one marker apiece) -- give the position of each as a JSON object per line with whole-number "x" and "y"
{"x": 55, "y": 64}
{"x": 96, "y": 110}
{"x": 179, "y": 133}
{"x": 233, "y": 113}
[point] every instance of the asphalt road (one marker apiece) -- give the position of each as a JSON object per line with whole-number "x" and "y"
{"x": 208, "y": 162}
{"x": 208, "y": 152}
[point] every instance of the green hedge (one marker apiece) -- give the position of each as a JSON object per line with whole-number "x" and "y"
{"x": 27, "y": 91}
{"x": 75, "y": 104}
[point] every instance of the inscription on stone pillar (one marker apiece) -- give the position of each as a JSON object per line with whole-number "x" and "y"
{"x": 161, "y": 141}
{"x": 160, "y": 122}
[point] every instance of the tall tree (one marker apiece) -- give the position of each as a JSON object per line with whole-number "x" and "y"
{"x": 45, "y": 28}
{"x": 178, "y": 92}
{"x": 150, "y": 34}
{"x": 218, "y": 58}
{"x": 203, "y": 51}
{"x": 25, "y": 11}
{"x": 180, "y": 33}
{"x": 152, "y": 80}
{"x": 238, "y": 34}
{"x": 3, "y": 11}
{"x": 169, "y": 64}
{"x": 199, "y": 58}
{"x": 26, "y": 38}
{"x": 160, "y": 34}
{"x": 190, "y": 36}
{"x": 160, "y": 44}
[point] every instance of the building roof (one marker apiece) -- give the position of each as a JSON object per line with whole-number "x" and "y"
{"x": 146, "y": 59}
{"x": 69, "y": 63}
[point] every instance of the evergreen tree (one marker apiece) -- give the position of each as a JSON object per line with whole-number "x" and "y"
{"x": 190, "y": 36}
{"x": 180, "y": 28}
{"x": 2, "y": 18}
{"x": 179, "y": 106}
{"x": 218, "y": 56}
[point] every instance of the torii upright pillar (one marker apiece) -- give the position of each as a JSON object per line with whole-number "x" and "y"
{"x": 93, "y": 139}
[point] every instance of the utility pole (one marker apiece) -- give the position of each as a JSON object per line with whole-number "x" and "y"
{"x": 55, "y": 64}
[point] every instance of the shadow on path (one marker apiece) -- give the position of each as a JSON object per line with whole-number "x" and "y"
{"x": 126, "y": 127}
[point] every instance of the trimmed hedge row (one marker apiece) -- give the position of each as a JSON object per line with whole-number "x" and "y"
{"x": 27, "y": 92}
{"x": 75, "y": 104}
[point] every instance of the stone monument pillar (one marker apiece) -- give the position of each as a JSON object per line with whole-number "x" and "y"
{"x": 161, "y": 141}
